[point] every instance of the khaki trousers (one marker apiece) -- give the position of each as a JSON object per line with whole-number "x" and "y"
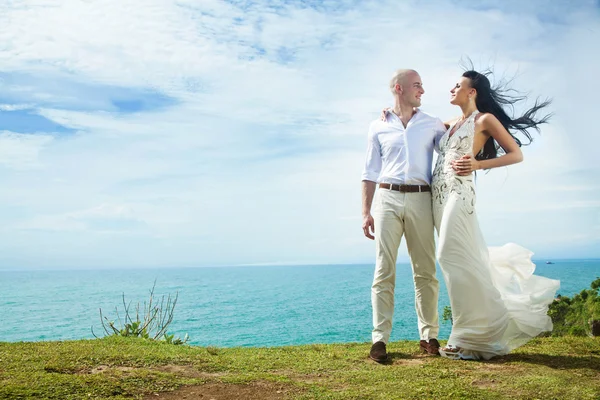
{"x": 396, "y": 214}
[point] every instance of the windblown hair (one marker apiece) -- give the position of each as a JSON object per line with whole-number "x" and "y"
{"x": 496, "y": 100}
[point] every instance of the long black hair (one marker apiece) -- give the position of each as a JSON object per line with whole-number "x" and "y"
{"x": 493, "y": 100}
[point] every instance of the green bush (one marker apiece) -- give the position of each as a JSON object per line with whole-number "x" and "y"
{"x": 575, "y": 316}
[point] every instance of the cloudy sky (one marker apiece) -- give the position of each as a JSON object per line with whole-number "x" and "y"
{"x": 195, "y": 133}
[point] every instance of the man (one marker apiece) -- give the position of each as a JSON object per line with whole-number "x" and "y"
{"x": 399, "y": 158}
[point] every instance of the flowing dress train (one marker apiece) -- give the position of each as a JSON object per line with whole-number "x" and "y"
{"x": 497, "y": 302}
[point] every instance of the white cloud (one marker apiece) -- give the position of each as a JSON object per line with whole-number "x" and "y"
{"x": 109, "y": 218}
{"x": 14, "y": 107}
{"x": 259, "y": 160}
{"x": 20, "y": 152}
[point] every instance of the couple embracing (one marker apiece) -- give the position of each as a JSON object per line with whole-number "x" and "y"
{"x": 497, "y": 302}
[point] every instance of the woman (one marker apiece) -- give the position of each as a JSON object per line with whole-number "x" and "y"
{"x": 497, "y": 303}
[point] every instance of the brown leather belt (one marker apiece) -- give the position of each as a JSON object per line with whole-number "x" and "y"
{"x": 405, "y": 188}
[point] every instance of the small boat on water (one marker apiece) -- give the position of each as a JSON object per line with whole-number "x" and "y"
{"x": 549, "y": 262}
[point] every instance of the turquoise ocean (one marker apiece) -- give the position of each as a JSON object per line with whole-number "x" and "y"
{"x": 230, "y": 306}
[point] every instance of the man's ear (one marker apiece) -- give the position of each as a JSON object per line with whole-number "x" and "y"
{"x": 398, "y": 88}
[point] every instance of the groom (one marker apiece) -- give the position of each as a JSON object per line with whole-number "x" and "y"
{"x": 399, "y": 158}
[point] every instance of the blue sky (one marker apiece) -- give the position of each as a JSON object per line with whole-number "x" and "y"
{"x": 191, "y": 133}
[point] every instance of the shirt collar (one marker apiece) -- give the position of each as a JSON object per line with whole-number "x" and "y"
{"x": 397, "y": 118}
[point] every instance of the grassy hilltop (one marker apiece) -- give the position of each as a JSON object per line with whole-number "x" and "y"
{"x": 124, "y": 368}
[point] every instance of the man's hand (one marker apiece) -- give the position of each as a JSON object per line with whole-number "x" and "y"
{"x": 368, "y": 226}
{"x": 368, "y": 191}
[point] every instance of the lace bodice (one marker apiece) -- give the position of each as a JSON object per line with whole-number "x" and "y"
{"x": 445, "y": 180}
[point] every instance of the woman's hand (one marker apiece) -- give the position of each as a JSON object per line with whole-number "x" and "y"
{"x": 465, "y": 165}
{"x": 384, "y": 114}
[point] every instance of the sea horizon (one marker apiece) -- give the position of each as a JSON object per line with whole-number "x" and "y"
{"x": 536, "y": 261}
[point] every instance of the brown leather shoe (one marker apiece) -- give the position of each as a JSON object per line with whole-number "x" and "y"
{"x": 432, "y": 347}
{"x": 378, "y": 352}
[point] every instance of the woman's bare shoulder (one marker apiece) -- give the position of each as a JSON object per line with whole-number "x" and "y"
{"x": 485, "y": 118}
{"x": 451, "y": 122}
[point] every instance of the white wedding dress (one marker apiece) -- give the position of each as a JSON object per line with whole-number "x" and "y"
{"x": 497, "y": 303}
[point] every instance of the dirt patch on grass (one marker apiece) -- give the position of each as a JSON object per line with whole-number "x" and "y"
{"x": 225, "y": 391}
{"x": 409, "y": 361}
{"x": 209, "y": 391}
{"x": 499, "y": 367}
{"x": 101, "y": 369}
{"x": 484, "y": 383}
{"x": 186, "y": 371}
{"x": 304, "y": 378}
{"x": 405, "y": 360}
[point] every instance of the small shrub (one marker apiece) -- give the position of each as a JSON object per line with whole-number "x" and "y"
{"x": 151, "y": 321}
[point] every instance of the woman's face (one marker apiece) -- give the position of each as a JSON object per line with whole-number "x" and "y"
{"x": 462, "y": 92}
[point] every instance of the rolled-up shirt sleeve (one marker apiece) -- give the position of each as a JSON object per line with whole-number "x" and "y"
{"x": 373, "y": 160}
{"x": 440, "y": 129}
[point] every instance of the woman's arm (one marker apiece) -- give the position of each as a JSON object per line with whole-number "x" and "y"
{"x": 490, "y": 126}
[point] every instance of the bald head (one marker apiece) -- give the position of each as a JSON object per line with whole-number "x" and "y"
{"x": 401, "y": 77}
{"x": 407, "y": 88}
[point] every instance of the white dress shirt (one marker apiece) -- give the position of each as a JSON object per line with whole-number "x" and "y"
{"x": 402, "y": 155}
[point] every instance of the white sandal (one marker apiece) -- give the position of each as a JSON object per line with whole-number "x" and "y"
{"x": 456, "y": 353}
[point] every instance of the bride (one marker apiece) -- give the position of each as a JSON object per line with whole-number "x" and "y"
{"x": 497, "y": 303}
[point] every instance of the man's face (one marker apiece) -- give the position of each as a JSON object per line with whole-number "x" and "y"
{"x": 411, "y": 89}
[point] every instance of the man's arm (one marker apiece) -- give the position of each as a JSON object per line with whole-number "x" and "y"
{"x": 440, "y": 129}
{"x": 370, "y": 175}
{"x": 368, "y": 191}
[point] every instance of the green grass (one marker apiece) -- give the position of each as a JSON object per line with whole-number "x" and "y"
{"x": 119, "y": 368}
